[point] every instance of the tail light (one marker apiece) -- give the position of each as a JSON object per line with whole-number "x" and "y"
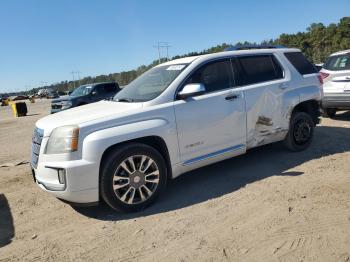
{"x": 322, "y": 76}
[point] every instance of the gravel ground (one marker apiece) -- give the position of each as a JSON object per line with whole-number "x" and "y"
{"x": 267, "y": 205}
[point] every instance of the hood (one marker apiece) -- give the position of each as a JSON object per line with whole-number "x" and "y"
{"x": 85, "y": 113}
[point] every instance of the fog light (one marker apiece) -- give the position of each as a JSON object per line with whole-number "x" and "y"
{"x": 61, "y": 176}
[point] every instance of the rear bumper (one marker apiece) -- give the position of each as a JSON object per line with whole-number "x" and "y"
{"x": 340, "y": 101}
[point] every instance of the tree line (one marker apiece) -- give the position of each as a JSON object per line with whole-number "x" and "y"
{"x": 317, "y": 42}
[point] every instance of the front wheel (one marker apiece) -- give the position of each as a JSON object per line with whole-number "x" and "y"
{"x": 300, "y": 132}
{"x": 132, "y": 177}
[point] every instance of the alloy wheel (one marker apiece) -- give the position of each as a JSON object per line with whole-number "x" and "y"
{"x": 136, "y": 179}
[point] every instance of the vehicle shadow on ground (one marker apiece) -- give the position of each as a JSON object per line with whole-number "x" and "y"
{"x": 230, "y": 175}
{"x": 342, "y": 116}
{"x": 7, "y": 230}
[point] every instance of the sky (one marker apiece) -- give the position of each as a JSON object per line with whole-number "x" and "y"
{"x": 44, "y": 41}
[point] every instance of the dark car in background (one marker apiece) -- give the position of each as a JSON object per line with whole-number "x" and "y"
{"x": 52, "y": 95}
{"x": 85, "y": 94}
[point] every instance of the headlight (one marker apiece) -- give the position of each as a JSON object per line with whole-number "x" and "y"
{"x": 63, "y": 140}
{"x": 66, "y": 104}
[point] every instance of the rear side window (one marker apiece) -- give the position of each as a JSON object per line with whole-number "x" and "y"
{"x": 337, "y": 62}
{"x": 250, "y": 70}
{"x": 215, "y": 76}
{"x": 110, "y": 88}
{"x": 99, "y": 89}
{"x": 301, "y": 64}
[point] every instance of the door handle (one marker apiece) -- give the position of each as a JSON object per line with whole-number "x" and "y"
{"x": 283, "y": 86}
{"x": 231, "y": 97}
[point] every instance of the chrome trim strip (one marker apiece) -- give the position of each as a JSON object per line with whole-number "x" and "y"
{"x": 214, "y": 154}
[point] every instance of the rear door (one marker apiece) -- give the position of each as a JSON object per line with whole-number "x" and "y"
{"x": 263, "y": 82}
{"x": 336, "y": 71}
{"x": 103, "y": 91}
{"x": 110, "y": 90}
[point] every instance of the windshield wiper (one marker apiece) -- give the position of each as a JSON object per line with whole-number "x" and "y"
{"x": 125, "y": 100}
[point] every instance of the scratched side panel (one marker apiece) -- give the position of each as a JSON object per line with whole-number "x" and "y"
{"x": 267, "y": 117}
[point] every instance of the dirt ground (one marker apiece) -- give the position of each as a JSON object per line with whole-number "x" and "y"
{"x": 267, "y": 205}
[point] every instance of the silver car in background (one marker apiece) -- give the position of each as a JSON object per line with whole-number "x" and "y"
{"x": 336, "y": 83}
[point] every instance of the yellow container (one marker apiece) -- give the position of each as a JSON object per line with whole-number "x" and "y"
{"x": 19, "y": 109}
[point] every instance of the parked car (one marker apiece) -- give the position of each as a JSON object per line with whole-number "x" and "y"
{"x": 336, "y": 83}
{"x": 176, "y": 117}
{"x": 319, "y": 66}
{"x": 85, "y": 94}
{"x": 20, "y": 97}
{"x": 52, "y": 95}
{"x": 42, "y": 93}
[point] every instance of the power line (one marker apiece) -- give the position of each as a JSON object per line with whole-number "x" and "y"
{"x": 73, "y": 74}
{"x": 162, "y": 45}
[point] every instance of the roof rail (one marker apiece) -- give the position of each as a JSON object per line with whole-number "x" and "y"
{"x": 236, "y": 48}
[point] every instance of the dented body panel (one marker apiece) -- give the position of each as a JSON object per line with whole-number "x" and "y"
{"x": 196, "y": 131}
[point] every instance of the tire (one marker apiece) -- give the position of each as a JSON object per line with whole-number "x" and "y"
{"x": 129, "y": 187}
{"x": 300, "y": 132}
{"x": 330, "y": 112}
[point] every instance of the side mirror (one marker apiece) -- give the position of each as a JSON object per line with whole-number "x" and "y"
{"x": 191, "y": 90}
{"x": 94, "y": 92}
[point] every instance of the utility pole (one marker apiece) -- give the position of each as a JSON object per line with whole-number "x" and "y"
{"x": 162, "y": 45}
{"x": 78, "y": 73}
{"x": 27, "y": 89}
{"x": 73, "y": 79}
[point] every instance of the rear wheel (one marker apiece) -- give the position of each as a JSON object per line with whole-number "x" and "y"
{"x": 300, "y": 132}
{"x": 132, "y": 177}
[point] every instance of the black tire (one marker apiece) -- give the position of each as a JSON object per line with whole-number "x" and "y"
{"x": 330, "y": 112}
{"x": 113, "y": 164}
{"x": 300, "y": 132}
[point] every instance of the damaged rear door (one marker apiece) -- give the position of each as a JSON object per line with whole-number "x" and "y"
{"x": 264, "y": 83}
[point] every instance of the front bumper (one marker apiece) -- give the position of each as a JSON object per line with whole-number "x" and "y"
{"x": 80, "y": 183}
{"x": 55, "y": 109}
{"x": 339, "y": 101}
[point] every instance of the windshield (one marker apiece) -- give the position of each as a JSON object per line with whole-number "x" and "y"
{"x": 337, "y": 63}
{"x": 150, "y": 84}
{"x": 82, "y": 91}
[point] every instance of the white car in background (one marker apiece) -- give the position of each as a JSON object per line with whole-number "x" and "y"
{"x": 176, "y": 117}
{"x": 336, "y": 83}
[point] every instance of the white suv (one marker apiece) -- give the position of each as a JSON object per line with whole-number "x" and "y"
{"x": 176, "y": 117}
{"x": 336, "y": 78}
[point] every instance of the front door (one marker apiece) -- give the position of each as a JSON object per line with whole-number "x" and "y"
{"x": 212, "y": 125}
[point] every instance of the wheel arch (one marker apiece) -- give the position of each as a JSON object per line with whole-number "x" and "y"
{"x": 156, "y": 142}
{"x": 311, "y": 107}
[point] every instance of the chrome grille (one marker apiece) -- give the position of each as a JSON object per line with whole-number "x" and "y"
{"x": 36, "y": 143}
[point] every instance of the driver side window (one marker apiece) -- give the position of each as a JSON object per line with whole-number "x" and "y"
{"x": 100, "y": 89}
{"x": 215, "y": 76}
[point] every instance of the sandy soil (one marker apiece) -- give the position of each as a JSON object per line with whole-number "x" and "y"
{"x": 267, "y": 205}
